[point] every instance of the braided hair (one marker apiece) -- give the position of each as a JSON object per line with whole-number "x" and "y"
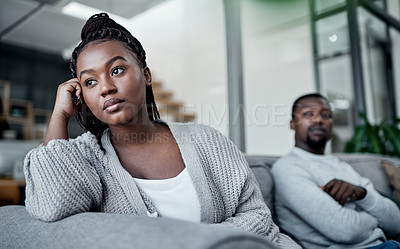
{"x": 100, "y": 28}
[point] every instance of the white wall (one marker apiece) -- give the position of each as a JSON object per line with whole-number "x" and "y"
{"x": 185, "y": 43}
{"x": 278, "y": 65}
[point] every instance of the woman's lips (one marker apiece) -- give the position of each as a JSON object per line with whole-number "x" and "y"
{"x": 112, "y": 104}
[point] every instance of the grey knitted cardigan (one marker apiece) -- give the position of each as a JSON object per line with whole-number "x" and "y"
{"x": 72, "y": 176}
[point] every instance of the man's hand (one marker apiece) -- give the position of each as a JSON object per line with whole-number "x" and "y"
{"x": 342, "y": 191}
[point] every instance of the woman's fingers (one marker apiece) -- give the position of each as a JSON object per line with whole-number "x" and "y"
{"x": 78, "y": 94}
{"x": 68, "y": 98}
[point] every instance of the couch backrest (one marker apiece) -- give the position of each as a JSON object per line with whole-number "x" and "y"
{"x": 369, "y": 166}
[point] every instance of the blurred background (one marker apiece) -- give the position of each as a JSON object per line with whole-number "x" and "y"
{"x": 236, "y": 65}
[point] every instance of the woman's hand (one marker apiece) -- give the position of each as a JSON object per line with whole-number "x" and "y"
{"x": 342, "y": 191}
{"x": 64, "y": 110}
{"x": 68, "y": 100}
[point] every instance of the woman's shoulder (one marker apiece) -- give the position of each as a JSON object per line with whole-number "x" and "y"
{"x": 84, "y": 137}
{"x": 85, "y": 145}
{"x": 85, "y": 142}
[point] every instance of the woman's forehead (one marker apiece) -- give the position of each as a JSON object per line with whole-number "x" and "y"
{"x": 101, "y": 52}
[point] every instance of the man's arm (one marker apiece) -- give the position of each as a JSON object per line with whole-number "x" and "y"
{"x": 343, "y": 191}
{"x": 383, "y": 209}
{"x": 299, "y": 192}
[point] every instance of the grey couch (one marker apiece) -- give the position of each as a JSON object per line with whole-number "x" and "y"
{"x": 100, "y": 230}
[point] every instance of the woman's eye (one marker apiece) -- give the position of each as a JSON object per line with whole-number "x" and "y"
{"x": 89, "y": 82}
{"x": 117, "y": 71}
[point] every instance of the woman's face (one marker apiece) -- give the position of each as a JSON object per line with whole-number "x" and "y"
{"x": 113, "y": 83}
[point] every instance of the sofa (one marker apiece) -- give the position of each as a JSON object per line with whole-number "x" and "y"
{"x": 99, "y": 230}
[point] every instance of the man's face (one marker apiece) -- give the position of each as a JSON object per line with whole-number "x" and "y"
{"x": 312, "y": 124}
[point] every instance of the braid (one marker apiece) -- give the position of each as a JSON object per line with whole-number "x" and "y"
{"x": 100, "y": 28}
{"x": 151, "y": 104}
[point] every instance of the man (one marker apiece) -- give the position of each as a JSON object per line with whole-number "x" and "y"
{"x": 321, "y": 201}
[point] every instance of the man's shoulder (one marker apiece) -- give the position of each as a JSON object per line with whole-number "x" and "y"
{"x": 288, "y": 157}
{"x": 286, "y": 161}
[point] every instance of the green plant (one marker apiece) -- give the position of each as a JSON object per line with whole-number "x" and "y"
{"x": 383, "y": 138}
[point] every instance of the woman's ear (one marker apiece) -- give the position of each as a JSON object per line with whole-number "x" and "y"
{"x": 147, "y": 76}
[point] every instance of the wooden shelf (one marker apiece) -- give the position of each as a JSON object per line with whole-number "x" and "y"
{"x": 21, "y": 112}
{"x": 4, "y": 97}
{"x": 9, "y": 191}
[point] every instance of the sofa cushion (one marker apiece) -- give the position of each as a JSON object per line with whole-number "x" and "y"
{"x": 103, "y": 231}
{"x": 393, "y": 175}
{"x": 267, "y": 161}
{"x": 264, "y": 179}
{"x": 369, "y": 166}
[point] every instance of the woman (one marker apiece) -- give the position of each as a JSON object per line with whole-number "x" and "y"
{"x": 129, "y": 161}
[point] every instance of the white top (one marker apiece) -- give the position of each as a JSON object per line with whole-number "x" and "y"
{"x": 174, "y": 197}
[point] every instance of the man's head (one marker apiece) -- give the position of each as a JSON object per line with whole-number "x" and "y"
{"x": 312, "y": 122}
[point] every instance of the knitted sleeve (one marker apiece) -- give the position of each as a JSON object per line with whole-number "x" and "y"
{"x": 61, "y": 179}
{"x": 243, "y": 204}
{"x": 252, "y": 214}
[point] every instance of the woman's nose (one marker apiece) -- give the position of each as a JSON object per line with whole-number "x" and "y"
{"x": 107, "y": 87}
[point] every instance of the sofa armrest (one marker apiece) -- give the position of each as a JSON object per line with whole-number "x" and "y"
{"x": 101, "y": 230}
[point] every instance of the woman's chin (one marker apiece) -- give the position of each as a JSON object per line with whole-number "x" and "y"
{"x": 118, "y": 121}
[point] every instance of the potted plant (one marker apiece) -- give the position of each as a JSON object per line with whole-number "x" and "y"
{"x": 383, "y": 138}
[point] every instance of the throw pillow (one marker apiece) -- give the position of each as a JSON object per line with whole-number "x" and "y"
{"x": 393, "y": 176}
